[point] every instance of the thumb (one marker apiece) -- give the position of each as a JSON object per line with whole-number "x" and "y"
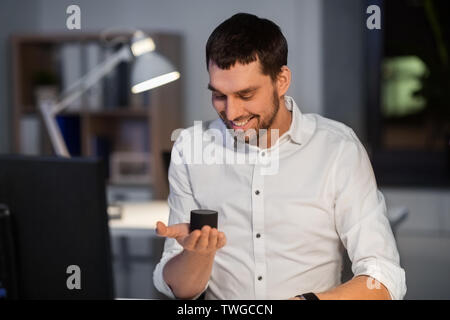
{"x": 173, "y": 231}
{"x": 161, "y": 229}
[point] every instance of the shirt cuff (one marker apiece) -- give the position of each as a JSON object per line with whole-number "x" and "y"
{"x": 159, "y": 282}
{"x": 390, "y": 275}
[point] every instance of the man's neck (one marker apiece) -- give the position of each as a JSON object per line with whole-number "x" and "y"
{"x": 282, "y": 123}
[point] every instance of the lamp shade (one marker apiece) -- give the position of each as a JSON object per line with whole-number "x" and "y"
{"x": 151, "y": 70}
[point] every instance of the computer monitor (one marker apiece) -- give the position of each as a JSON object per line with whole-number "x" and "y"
{"x": 59, "y": 219}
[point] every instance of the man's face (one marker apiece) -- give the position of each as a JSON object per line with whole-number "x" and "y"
{"x": 244, "y": 98}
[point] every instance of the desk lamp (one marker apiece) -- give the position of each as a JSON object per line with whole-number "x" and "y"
{"x": 150, "y": 70}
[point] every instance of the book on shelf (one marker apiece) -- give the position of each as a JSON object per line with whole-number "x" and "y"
{"x": 94, "y": 96}
{"x": 31, "y": 135}
{"x": 70, "y": 127}
{"x": 110, "y": 96}
{"x": 102, "y": 147}
{"x": 71, "y": 69}
{"x": 123, "y": 83}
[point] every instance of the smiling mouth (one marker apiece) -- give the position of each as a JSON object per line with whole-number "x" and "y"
{"x": 241, "y": 124}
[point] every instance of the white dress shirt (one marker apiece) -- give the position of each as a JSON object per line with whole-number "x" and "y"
{"x": 287, "y": 232}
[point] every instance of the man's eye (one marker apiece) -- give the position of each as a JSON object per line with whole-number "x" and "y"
{"x": 246, "y": 97}
{"x": 219, "y": 97}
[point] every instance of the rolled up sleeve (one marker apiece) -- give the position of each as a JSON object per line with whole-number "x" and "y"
{"x": 181, "y": 202}
{"x": 361, "y": 221}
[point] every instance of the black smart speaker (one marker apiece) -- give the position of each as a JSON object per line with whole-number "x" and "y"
{"x": 202, "y": 217}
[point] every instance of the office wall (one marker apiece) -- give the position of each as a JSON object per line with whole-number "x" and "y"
{"x": 325, "y": 49}
{"x": 344, "y": 79}
{"x": 195, "y": 19}
{"x": 15, "y": 16}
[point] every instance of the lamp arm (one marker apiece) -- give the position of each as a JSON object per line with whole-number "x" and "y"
{"x": 46, "y": 107}
{"x": 92, "y": 77}
{"x": 49, "y": 109}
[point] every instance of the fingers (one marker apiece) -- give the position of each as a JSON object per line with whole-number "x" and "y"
{"x": 190, "y": 241}
{"x": 212, "y": 241}
{"x": 221, "y": 240}
{"x": 207, "y": 240}
{"x": 202, "y": 243}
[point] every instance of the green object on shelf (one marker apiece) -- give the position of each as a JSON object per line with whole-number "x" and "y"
{"x": 401, "y": 80}
{"x": 45, "y": 78}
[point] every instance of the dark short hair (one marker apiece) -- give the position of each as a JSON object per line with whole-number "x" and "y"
{"x": 244, "y": 38}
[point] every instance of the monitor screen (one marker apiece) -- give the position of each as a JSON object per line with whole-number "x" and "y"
{"x": 59, "y": 226}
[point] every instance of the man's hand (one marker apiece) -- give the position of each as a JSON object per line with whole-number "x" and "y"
{"x": 357, "y": 288}
{"x": 204, "y": 242}
{"x": 188, "y": 272}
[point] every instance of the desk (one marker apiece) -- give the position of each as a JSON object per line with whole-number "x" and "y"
{"x": 138, "y": 220}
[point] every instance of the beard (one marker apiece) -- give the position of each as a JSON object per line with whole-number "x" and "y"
{"x": 264, "y": 122}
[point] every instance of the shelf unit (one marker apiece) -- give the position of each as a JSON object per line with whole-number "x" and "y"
{"x": 32, "y": 53}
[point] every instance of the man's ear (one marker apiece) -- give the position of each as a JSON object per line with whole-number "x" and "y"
{"x": 283, "y": 80}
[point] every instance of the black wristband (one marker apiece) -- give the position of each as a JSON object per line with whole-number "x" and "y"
{"x": 308, "y": 296}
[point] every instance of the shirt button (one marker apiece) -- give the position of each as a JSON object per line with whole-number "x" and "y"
{"x": 263, "y": 154}
{"x": 258, "y": 235}
{"x": 257, "y": 192}
{"x": 259, "y": 278}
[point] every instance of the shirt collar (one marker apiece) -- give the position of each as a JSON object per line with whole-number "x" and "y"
{"x": 294, "y": 132}
{"x": 302, "y": 126}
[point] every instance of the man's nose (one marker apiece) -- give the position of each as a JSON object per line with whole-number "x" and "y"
{"x": 233, "y": 109}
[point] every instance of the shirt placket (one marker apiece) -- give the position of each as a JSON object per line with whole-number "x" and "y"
{"x": 260, "y": 276}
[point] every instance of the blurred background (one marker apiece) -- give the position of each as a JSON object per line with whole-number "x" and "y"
{"x": 391, "y": 85}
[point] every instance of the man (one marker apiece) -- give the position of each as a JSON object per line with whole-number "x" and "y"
{"x": 281, "y": 234}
